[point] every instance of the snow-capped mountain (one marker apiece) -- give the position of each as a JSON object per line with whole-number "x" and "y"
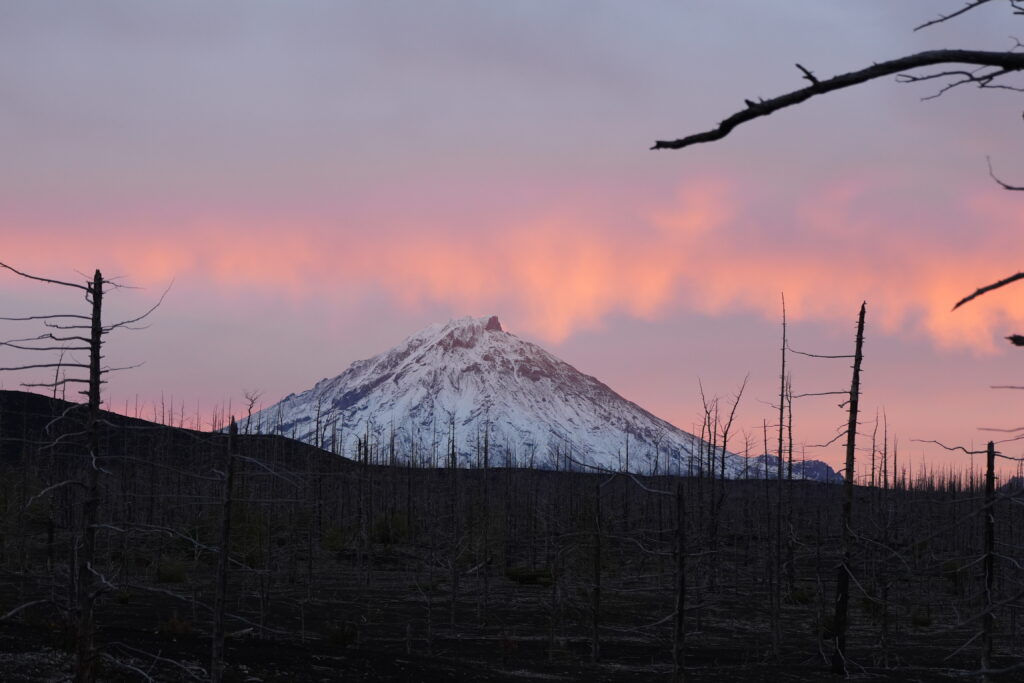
{"x": 471, "y": 377}
{"x": 767, "y": 467}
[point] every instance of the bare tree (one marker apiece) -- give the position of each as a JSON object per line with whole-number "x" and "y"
{"x": 79, "y": 332}
{"x": 843, "y": 578}
{"x": 251, "y": 399}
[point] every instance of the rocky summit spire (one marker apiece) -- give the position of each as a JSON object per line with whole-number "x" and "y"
{"x": 493, "y": 324}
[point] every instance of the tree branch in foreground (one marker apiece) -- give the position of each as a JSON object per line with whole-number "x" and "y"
{"x": 43, "y": 279}
{"x": 988, "y": 288}
{"x": 1006, "y": 61}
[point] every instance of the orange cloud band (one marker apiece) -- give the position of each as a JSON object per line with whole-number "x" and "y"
{"x": 565, "y": 269}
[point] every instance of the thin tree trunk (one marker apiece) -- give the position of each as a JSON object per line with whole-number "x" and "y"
{"x": 217, "y": 649}
{"x": 595, "y": 644}
{"x": 843, "y": 578}
{"x": 777, "y": 570}
{"x": 990, "y": 529}
{"x": 679, "y": 631}
{"x": 85, "y": 666}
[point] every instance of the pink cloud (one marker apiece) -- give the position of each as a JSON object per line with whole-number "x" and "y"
{"x": 712, "y": 248}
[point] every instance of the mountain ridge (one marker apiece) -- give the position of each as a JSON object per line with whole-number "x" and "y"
{"x": 472, "y": 377}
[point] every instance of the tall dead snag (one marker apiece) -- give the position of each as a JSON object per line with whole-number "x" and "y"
{"x": 77, "y": 332}
{"x": 595, "y": 638}
{"x": 217, "y": 648}
{"x": 843, "y": 578}
{"x": 990, "y": 536}
{"x": 485, "y": 572}
{"x": 678, "y": 629}
{"x": 454, "y": 509}
{"x": 84, "y": 570}
{"x": 782, "y": 401}
{"x": 777, "y": 573}
{"x": 87, "y": 590}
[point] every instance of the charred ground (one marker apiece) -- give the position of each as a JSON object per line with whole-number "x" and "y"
{"x": 366, "y": 569}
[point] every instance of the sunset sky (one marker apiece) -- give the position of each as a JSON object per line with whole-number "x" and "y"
{"x": 322, "y": 179}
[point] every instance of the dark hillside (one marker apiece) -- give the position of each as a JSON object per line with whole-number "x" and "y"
{"x": 32, "y": 422}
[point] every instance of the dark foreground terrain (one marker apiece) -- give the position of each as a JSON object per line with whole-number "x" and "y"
{"x": 359, "y": 569}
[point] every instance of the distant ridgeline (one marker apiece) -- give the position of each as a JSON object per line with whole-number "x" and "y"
{"x": 33, "y": 426}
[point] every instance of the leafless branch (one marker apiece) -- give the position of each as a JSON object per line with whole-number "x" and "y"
{"x": 44, "y": 365}
{"x": 815, "y": 355}
{"x": 950, "y": 448}
{"x": 68, "y": 482}
{"x": 71, "y": 338}
{"x": 946, "y": 17}
{"x": 807, "y": 74}
{"x": 123, "y": 367}
{"x": 130, "y": 322}
{"x": 130, "y": 667}
{"x": 988, "y": 288}
{"x": 979, "y": 77}
{"x": 187, "y": 669}
{"x": 1007, "y": 61}
{"x": 1004, "y": 185}
{"x": 58, "y": 383}
{"x": 46, "y": 317}
{"x": 829, "y": 442}
{"x": 22, "y": 607}
{"x": 44, "y": 348}
{"x": 44, "y": 279}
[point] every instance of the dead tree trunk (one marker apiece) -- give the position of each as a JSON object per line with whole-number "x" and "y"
{"x": 678, "y": 630}
{"x": 84, "y": 333}
{"x": 85, "y": 666}
{"x": 217, "y": 654}
{"x": 843, "y": 577}
{"x": 486, "y": 507}
{"x": 595, "y": 637}
{"x": 777, "y": 570}
{"x": 990, "y": 534}
{"x": 454, "y": 509}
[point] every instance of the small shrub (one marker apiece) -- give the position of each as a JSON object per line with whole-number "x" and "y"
{"x": 921, "y": 618}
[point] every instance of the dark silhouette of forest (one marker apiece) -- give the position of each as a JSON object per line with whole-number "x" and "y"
{"x": 367, "y": 568}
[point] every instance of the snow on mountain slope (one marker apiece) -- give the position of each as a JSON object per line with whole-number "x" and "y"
{"x": 471, "y": 375}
